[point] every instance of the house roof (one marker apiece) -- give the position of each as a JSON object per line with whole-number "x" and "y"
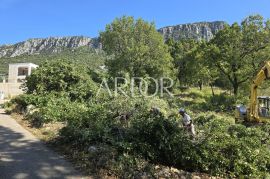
{"x": 23, "y": 64}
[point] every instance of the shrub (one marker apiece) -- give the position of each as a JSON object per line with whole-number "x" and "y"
{"x": 202, "y": 118}
{"x": 220, "y": 147}
{"x": 61, "y": 76}
{"x": 60, "y": 109}
{"x": 220, "y": 102}
{"x": 19, "y": 103}
{"x": 107, "y": 121}
{"x": 128, "y": 125}
{"x": 233, "y": 149}
{"x": 153, "y": 136}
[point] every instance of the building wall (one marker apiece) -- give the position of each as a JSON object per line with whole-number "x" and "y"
{"x": 13, "y": 71}
{"x": 11, "y": 89}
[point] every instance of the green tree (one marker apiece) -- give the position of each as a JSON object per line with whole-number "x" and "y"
{"x": 199, "y": 72}
{"x": 234, "y": 50}
{"x": 136, "y": 48}
{"x": 181, "y": 53}
{"x": 61, "y": 76}
{"x": 189, "y": 62}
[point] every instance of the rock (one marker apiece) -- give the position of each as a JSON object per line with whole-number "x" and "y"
{"x": 30, "y": 109}
{"x": 47, "y": 45}
{"x": 198, "y": 31}
{"x": 175, "y": 170}
{"x": 92, "y": 149}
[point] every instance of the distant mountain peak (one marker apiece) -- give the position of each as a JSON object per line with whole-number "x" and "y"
{"x": 197, "y": 30}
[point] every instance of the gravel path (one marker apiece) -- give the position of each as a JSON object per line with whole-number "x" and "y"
{"x": 24, "y": 156}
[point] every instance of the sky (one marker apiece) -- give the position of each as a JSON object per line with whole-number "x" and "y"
{"x": 24, "y": 19}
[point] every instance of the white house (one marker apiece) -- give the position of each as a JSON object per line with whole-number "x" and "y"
{"x": 16, "y": 75}
{"x": 19, "y": 71}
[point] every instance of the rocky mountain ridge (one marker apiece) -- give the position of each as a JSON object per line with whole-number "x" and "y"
{"x": 197, "y": 31}
{"x": 47, "y": 45}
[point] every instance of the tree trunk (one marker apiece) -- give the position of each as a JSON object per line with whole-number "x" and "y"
{"x": 200, "y": 85}
{"x": 235, "y": 89}
{"x": 212, "y": 89}
{"x": 235, "y": 84}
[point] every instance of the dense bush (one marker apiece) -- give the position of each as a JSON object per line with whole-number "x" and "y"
{"x": 45, "y": 108}
{"x": 148, "y": 128}
{"x": 221, "y": 102}
{"x": 219, "y": 150}
{"x": 105, "y": 121}
{"x": 61, "y": 76}
{"x": 203, "y": 118}
{"x": 153, "y": 136}
{"x": 19, "y": 103}
{"x": 129, "y": 126}
{"x": 220, "y": 147}
{"x": 58, "y": 91}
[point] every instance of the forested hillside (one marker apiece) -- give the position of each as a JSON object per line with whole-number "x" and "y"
{"x": 83, "y": 55}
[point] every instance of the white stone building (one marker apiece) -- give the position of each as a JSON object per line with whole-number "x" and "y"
{"x": 16, "y": 75}
{"x": 19, "y": 71}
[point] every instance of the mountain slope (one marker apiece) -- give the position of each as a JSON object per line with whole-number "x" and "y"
{"x": 86, "y": 56}
{"x": 198, "y": 31}
{"x": 47, "y": 45}
{"x": 85, "y": 50}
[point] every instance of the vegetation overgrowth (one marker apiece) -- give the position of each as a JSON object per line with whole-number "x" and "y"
{"x": 212, "y": 77}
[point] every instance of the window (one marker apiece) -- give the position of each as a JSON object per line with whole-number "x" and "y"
{"x": 22, "y": 71}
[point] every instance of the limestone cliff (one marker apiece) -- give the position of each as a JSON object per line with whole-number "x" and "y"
{"x": 198, "y": 31}
{"x": 47, "y": 45}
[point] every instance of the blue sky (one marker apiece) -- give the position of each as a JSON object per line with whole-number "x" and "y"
{"x": 23, "y": 19}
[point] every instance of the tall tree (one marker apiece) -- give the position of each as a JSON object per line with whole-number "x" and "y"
{"x": 183, "y": 57}
{"x": 199, "y": 72}
{"x": 234, "y": 50}
{"x": 136, "y": 48}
